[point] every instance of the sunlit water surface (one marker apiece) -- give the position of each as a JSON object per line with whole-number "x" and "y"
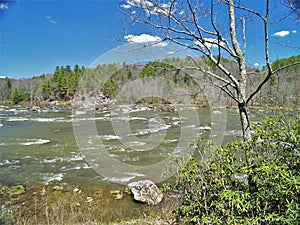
{"x": 40, "y": 146}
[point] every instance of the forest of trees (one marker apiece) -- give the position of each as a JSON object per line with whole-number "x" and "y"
{"x": 60, "y": 86}
{"x": 281, "y": 90}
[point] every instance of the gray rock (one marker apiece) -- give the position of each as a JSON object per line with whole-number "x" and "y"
{"x": 146, "y": 191}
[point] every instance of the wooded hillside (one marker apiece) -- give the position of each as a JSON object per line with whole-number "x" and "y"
{"x": 283, "y": 89}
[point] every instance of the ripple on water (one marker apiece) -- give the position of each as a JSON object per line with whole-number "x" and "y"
{"x": 35, "y": 142}
{"x": 53, "y": 177}
{"x": 9, "y": 162}
{"x": 17, "y": 119}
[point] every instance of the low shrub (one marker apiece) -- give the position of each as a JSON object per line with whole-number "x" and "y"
{"x": 217, "y": 190}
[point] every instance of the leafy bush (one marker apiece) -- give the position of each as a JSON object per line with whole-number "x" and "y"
{"x": 217, "y": 191}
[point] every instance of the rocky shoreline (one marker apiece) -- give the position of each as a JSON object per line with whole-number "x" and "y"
{"x": 57, "y": 203}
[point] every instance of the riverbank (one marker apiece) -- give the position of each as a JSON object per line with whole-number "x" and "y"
{"x": 69, "y": 204}
{"x": 161, "y": 106}
{"x": 57, "y": 203}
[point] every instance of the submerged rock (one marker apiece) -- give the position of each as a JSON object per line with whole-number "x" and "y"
{"x": 146, "y": 191}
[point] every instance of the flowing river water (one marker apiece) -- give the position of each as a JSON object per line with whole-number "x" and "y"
{"x": 42, "y": 148}
{"x": 39, "y": 146}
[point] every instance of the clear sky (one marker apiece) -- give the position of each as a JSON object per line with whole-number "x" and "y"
{"x": 38, "y": 35}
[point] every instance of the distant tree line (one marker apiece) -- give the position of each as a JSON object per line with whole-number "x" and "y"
{"x": 62, "y": 84}
{"x": 282, "y": 89}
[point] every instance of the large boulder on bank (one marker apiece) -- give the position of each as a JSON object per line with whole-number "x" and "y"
{"x": 146, "y": 191}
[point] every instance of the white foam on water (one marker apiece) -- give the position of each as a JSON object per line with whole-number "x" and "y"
{"x": 51, "y": 160}
{"x": 109, "y": 137}
{"x": 7, "y": 162}
{"x": 217, "y": 112}
{"x": 125, "y": 179}
{"x": 86, "y": 166}
{"x": 138, "y": 118}
{"x": 140, "y": 109}
{"x": 129, "y": 159}
{"x": 4, "y": 162}
{"x": 80, "y": 112}
{"x": 35, "y": 142}
{"x": 57, "y": 177}
{"x": 140, "y": 132}
{"x": 76, "y": 120}
{"x": 107, "y": 115}
{"x": 136, "y": 143}
{"x": 205, "y": 128}
{"x": 49, "y": 120}
{"x": 76, "y": 168}
{"x": 44, "y": 119}
{"x": 170, "y": 140}
{"x": 177, "y": 123}
{"x": 160, "y": 128}
{"x": 153, "y": 129}
{"x": 17, "y": 119}
{"x": 75, "y": 158}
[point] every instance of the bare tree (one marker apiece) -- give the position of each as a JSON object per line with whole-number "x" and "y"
{"x": 196, "y": 25}
{"x": 293, "y": 6}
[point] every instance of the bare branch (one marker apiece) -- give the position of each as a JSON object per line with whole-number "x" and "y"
{"x": 211, "y": 73}
{"x": 270, "y": 73}
{"x": 293, "y": 6}
{"x": 194, "y": 19}
{"x": 250, "y": 11}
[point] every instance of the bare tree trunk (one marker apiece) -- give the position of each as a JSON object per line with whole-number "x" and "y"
{"x": 241, "y": 89}
{"x": 246, "y": 128}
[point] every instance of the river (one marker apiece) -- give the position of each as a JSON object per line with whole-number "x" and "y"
{"x": 40, "y": 146}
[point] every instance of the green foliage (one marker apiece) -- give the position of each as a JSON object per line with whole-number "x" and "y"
{"x": 110, "y": 88}
{"x": 156, "y": 68}
{"x": 6, "y": 217}
{"x": 8, "y": 83}
{"x": 62, "y": 85}
{"x": 286, "y": 61}
{"x": 17, "y": 96}
{"x": 11, "y": 191}
{"x": 46, "y": 89}
{"x": 148, "y": 71}
{"x": 7, "y": 88}
{"x": 216, "y": 190}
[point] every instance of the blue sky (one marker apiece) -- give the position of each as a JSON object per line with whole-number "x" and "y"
{"x": 36, "y": 36}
